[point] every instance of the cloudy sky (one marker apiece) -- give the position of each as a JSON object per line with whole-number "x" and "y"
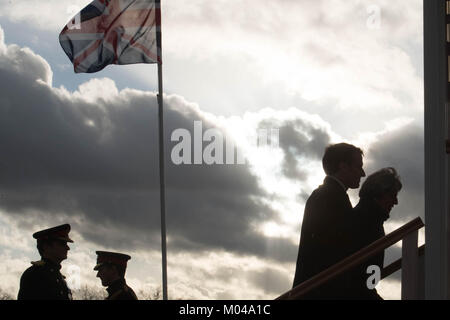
{"x": 82, "y": 148}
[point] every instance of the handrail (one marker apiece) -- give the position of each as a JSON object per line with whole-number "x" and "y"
{"x": 397, "y": 265}
{"x": 353, "y": 260}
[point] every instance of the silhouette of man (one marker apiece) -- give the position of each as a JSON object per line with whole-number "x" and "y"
{"x": 43, "y": 281}
{"x": 326, "y": 229}
{"x": 111, "y": 267}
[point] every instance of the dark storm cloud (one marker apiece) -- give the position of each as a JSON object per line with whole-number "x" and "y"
{"x": 96, "y": 161}
{"x": 402, "y": 149}
{"x": 298, "y": 139}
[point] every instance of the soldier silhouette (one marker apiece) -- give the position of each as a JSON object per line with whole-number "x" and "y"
{"x": 43, "y": 280}
{"x": 111, "y": 267}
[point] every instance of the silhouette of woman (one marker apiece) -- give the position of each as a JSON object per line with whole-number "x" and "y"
{"x": 378, "y": 195}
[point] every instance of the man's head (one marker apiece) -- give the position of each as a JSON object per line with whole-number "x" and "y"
{"x": 111, "y": 266}
{"x": 344, "y": 161}
{"x": 52, "y": 243}
{"x": 383, "y": 187}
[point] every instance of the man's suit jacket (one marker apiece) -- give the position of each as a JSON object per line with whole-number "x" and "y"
{"x": 325, "y": 238}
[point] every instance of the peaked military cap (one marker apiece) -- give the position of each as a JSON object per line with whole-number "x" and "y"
{"x": 56, "y": 233}
{"x": 115, "y": 258}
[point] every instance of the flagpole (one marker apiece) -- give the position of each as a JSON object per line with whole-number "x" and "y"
{"x": 161, "y": 152}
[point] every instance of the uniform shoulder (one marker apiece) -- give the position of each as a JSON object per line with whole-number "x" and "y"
{"x": 34, "y": 273}
{"x": 36, "y": 266}
{"x": 31, "y": 278}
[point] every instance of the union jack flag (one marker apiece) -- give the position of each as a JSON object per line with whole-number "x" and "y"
{"x": 113, "y": 32}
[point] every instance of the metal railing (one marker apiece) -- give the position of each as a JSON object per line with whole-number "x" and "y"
{"x": 410, "y": 263}
{"x": 397, "y": 265}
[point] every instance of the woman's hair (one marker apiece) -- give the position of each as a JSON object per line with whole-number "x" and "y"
{"x": 380, "y": 182}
